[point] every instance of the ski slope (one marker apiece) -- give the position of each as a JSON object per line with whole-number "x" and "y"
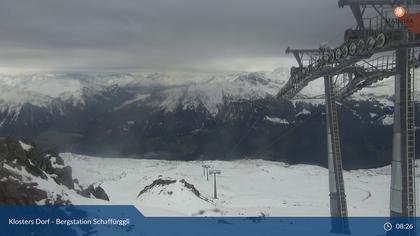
{"x": 245, "y": 187}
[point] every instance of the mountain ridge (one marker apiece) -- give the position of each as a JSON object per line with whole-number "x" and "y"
{"x": 214, "y": 117}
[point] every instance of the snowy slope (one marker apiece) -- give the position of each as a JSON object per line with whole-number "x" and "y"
{"x": 54, "y": 190}
{"x": 53, "y": 92}
{"x": 38, "y": 89}
{"x": 189, "y": 90}
{"x": 211, "y": 94}
{"x": 29, "y": 175}
{"x": 175, "y": 89}
{"x": 247, "y": 187}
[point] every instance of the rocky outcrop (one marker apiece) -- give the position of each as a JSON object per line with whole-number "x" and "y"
{"x": 98, "y": 192}
{"x": 37, "y": 162}
{"x": 23, "y": 166}
{"x": 64, "y": 176}
{"x": 13, "y": 191}
{"x": 190, "y": 187}
{"x": 155, "y": 183}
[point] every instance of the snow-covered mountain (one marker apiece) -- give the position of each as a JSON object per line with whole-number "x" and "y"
{"x": 54, "y": 93}
{"x": 38, "y": 90}
{"x": 38, "y": 100}
{"x": 30, "y": 175}
{"x": 178, "y": 188}
{"x": 48, "y": 90}
{"x": 184, "y": 116}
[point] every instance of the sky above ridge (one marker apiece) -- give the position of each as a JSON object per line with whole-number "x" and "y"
{"x": 163, "y": 35}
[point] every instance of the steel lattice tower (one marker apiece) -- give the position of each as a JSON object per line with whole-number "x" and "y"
{"x": 372, "y": 35}
{"x": 338, "y": 203}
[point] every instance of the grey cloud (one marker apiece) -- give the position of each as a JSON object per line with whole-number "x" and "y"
{"x": 160, "y": 34}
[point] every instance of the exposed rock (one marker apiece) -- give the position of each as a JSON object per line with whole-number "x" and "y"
{"x": 157, "y": 182}
{"x": 16, "y": 188}
{"x": 16, "y": 192}
{"x": 190, "y": 187}
{"x": 165, "y": 182}
{"x": 98, "y": 192}
{"x": 59, "y": 160}
{"x": 64, "y": 176}
{"x": 34, "y": 170}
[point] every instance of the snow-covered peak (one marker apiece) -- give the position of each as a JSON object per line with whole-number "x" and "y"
{"x": 173, "y": 90}
{"x": 39, "y": 90}
{"x": 45, "y": 84}
{"x": 211, "y": 95}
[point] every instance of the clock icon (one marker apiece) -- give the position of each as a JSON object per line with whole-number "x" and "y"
{"x": 387, "y": 226}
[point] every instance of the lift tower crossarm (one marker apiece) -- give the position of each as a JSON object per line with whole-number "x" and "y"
{"x": 300, "y": 53}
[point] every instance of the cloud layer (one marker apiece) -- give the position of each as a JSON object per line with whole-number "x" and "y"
{"x": 162, "y": 35}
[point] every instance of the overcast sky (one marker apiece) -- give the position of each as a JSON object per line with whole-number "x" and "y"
{"x": 162, "y": 35}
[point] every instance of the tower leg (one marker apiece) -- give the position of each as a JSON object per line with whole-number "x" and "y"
{"x": 215, "y": 191}
{"x": 338, "y": 204}
{"x": 402, "y": 203}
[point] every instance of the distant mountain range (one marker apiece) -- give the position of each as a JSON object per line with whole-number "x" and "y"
{"x": 189, "y": 116}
